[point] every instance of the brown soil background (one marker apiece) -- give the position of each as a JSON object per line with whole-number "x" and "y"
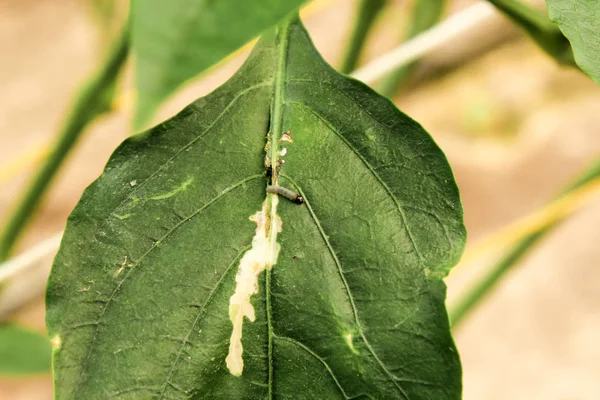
{"x": 514, "y": 126}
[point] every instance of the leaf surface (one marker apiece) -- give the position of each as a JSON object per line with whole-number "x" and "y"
{"x": 579, "y": 20}
{"x": 176, "y": 40}
{"x": 23, "y": 352}
{"x": 353, "y": 308}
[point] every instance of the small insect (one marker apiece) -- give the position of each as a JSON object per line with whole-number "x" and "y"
{"x": 287, "y": 193}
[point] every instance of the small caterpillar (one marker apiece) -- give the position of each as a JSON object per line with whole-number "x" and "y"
{"x": 287, "y": 193}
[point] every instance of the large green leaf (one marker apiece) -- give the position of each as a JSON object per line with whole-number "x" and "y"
{"x": 579, "y": 20}
{"x": 23, "y": 352}
{"x": 175, "y": 40}
{"x": 139, "y": 295}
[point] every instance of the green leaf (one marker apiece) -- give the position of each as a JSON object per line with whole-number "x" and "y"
{"x": 176, "y": 40}
{"x": 579, "y": 20}
{"x": 23, "y": 352}
{"x": 140, "y": 295}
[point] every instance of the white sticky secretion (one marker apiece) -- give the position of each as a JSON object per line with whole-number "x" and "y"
{"x": 262, "y": 255}
{"x": 283, "y": 151}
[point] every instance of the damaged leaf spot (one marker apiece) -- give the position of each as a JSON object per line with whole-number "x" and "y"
{"x": 286, "y": 137}
{"x": 173, "y": 192}
{"x": 262, "y": 255}
{"x": 348, "y": 337}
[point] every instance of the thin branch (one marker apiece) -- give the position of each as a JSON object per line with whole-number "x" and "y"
{"x": 425, "y": 14}
{"x": 366, "y": 15}
{"x": 452, "y": 28}
{"x": 23, "y": 278}
{"x": 22, "y": 162}
{"x": 29, "y": 258}
{"x": 481, "y": 289}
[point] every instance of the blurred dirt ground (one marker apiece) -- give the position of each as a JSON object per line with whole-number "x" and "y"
{"x": 514, "y": 126}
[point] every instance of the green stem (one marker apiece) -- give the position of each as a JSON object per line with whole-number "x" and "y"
{"x": 367, "y": 13}
{"x": 512, "y": 257}
{"x": 543, "y": 31}
{"x": 425, "y": 14}
{"x": 93, "y": 99}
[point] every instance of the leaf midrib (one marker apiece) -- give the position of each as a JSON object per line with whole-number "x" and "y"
{"x": 275, "y": 133}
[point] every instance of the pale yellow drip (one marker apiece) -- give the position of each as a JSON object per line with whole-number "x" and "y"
{"x": 262, "y": 255}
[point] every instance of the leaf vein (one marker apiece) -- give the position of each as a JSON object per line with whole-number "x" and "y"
{"x": 372, "y": 171}
{"x": 197, "y": 319}
{"x": 319, "y": 358}
{"x": 137, "y": 262}
{"x": 208, "y": 129}
{"x": 338, "y": 264}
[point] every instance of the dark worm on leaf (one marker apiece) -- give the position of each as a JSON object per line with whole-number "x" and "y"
{"x": 287, "y": 193}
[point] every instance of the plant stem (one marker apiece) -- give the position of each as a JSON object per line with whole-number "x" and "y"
{"x": 456, "y": 27}
{"x": 93, "y": 99}
{"x": 512, "y": 257}
{"x": 367, "y": 13}
{"x": 543, "y": 31}
{"x": 425, "y": 14}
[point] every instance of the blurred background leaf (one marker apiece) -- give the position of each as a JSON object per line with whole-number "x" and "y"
{"x": 23, "y": 352}
{"x": 579, "y": 20}
{"x": 109, "y": 16}
{"x": 176, "y": 40}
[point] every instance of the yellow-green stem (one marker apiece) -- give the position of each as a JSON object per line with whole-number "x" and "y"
{"x": 366, "y": 15}
{"x": 478, "y": 292}
{"x": 93, "y": 99}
